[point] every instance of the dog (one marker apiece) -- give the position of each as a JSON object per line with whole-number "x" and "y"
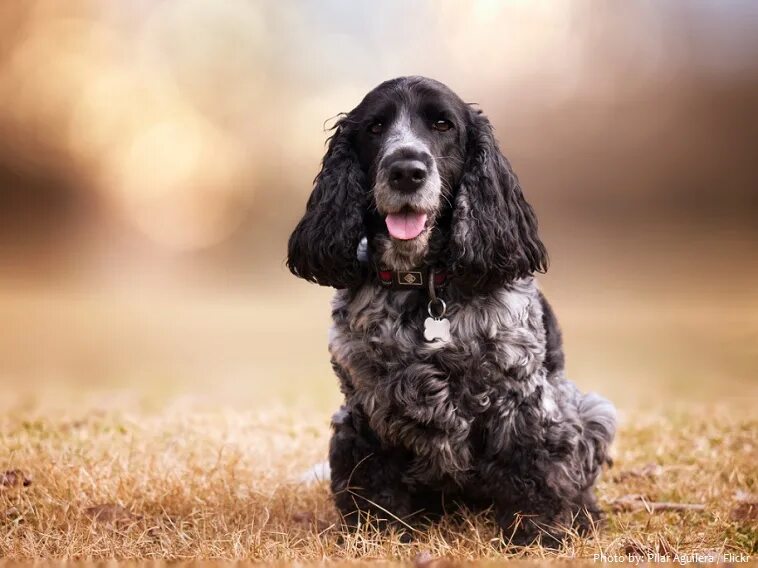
{"x": 449, "y": 357}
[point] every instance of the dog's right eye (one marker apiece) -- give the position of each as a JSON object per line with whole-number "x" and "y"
{"x": 442, "y": 125}
{"x": 376, "y": 127}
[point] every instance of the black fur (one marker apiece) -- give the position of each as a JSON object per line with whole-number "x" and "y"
{"x": 322, "y": 248}
{"x": 494, "y": 235}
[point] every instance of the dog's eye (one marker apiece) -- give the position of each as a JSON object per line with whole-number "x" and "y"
{"x": 442, "y": 125}
{"x": 376, "y": 127}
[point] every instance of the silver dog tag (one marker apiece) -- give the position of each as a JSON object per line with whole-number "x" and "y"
{"x": 437, "y": 328}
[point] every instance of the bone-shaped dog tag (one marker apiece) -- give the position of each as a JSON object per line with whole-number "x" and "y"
{"x": 437, "y": 329}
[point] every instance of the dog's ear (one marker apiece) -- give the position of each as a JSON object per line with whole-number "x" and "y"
{"x": 494, "y": 236}
{"x": 322, "y": 248}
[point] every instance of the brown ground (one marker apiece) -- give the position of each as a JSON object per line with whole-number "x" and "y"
{"x": 118, "y": 438}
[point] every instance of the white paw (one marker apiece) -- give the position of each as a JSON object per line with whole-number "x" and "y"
{"x": 319, "y": 472}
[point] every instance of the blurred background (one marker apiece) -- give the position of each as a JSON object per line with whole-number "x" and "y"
{"x": 154, "y": 156}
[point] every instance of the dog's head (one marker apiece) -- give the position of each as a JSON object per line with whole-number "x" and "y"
{"x": 419, "y": 173}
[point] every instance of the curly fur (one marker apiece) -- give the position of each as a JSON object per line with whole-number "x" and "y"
{"x": 487, "y": 419}
{"x": 322, "y": 248}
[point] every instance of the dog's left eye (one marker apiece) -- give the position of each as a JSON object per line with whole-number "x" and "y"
{"x": 442, "y": 125}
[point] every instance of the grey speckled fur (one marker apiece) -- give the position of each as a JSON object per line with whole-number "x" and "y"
{"x": 456, "y": 409}
{"x": 487, "y": 419}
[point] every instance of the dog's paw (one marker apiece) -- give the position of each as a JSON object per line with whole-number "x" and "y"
{"x": 319, "y": 472}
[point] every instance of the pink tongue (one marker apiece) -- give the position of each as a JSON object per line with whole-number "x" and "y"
{"x": 405, "y": 226}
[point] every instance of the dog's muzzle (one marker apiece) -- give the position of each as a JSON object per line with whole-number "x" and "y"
{"x": 407, "y": 190}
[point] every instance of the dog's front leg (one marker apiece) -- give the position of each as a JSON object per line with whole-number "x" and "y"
{"x": 366, "y": 479}
{"x": 533, "y": 496}
{"x": 528, "y": 518}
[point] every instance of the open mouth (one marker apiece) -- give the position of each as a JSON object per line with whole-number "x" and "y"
{"x": 406, "y": 224}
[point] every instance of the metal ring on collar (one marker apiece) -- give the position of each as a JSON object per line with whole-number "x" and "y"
{"x": 440, "y": 302}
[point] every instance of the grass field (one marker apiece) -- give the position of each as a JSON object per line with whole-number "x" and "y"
{"x": 187, "y": 484}
{"x": 172, "y": 462}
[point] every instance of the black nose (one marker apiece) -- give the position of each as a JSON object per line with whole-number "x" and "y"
{"x": 407, "y": 175}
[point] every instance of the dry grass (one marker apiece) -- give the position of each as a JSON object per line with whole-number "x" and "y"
{"x": 203, "y": 484}
{"x": 120, "y": 469}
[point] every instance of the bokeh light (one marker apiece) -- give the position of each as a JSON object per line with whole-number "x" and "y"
{"x": 155, "y": 155}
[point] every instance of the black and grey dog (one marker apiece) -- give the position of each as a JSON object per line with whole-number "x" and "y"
{"x": 448, "y": 355}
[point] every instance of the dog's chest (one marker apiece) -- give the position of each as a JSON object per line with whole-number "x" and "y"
{"x": 426, "y": 395}
{"x": 384, "y": 330}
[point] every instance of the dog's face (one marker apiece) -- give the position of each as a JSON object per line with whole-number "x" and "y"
{"x": 418, "y": 172}
{"x": 410, "y": 140}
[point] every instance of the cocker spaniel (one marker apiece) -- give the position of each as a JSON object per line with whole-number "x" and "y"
{"x": 448, "y": 355}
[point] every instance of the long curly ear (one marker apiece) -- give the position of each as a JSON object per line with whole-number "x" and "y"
{"x": 322, "y": 248}
{"x": 494, "y": 230}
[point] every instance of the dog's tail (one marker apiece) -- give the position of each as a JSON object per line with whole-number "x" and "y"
{"x": 599, "y": 418}
{"x": 317, "y": 473}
